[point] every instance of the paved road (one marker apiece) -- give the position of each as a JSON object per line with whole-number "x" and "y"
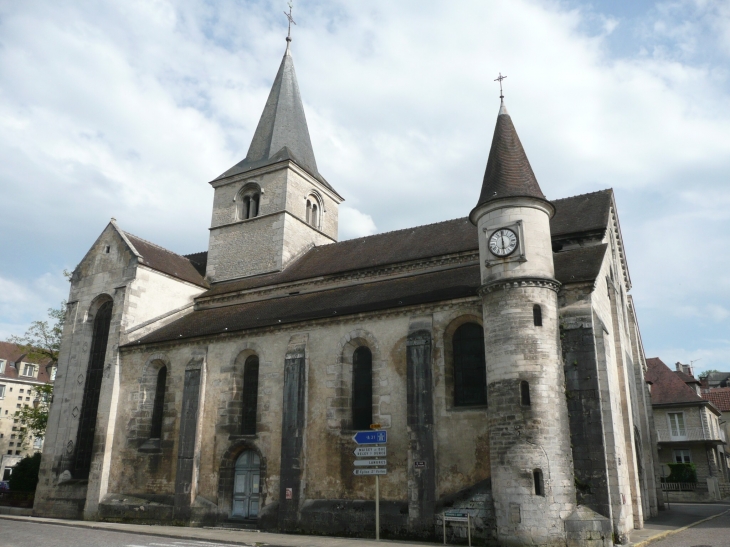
{"x": 713, "y": 533}
{"x": 32, "y": 534}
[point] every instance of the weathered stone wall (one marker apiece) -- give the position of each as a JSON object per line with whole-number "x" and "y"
{"x": 279, "y": 233}
{"x": 138, "y": 295}
{"x": 327, "y": 447}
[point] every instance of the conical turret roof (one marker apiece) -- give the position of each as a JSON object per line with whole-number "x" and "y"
{"x": 508, "y": 173}
{"x": 282, "y": 132}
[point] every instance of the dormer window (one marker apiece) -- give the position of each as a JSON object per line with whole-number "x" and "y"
{"x": 314, "y": 211}
{"x": 28, "y": 370}
{"x": 248, "y": 201}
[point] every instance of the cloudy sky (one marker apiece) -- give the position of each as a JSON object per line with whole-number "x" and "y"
{"x": 129, "y": 108}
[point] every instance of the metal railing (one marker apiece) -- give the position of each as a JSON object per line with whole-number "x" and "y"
{"x": 690, "y": 434}
{"x": 680, "y": 486}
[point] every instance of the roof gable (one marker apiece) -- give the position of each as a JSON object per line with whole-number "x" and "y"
{"x": 667, "y": 387}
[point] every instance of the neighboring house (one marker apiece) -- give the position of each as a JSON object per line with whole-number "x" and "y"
{"x": 717, "y": 379}
{"x": 18, "y": 376}
{"x": 688, "y": 426}
{"x": 720, "y": 398}
{"x": 501, "y": 353}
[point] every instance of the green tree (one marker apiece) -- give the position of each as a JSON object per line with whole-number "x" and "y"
{"x": 40, "y": 343}
{"x": 25, "y": 474}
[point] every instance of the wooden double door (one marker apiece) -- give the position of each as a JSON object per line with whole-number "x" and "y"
{"x": 246, "y": 486}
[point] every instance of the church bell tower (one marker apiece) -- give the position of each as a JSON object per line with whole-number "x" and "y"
{"x": 274, "y": 205}
{"x": 529, "y": 435}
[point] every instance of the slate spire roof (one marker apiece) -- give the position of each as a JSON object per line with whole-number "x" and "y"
{"x": 508, "y": 173}
{"x": 282, "y": 132}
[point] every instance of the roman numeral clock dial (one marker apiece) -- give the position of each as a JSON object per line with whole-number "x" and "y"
{"x": 503, "y": 242}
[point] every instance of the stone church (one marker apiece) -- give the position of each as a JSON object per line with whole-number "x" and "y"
{"x": 500, "y": 351}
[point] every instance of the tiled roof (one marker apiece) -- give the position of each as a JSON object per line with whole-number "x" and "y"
{"x": 581, "y": 264}
{"x": 583, "y": 213}
{"x": 452, "y": 236}
{"x": 667, "y": 387}
{"x": 431, "y": 240}
{"x": 12, "y": 353}
{"x": 508, "y": 172}
{"x": 379, "y": 295}
{"x": 718, "y": 396}
{"x": 686, "y": 378}
{"x": 162, "y": 260}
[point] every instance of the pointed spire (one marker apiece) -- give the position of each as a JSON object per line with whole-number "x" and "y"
{"x": 282, "y": 132}
{"x": 508, "y": 173}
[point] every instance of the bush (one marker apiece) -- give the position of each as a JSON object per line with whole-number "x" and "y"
{"x": 682, "y": 472}
{"x": 25, "y": 474}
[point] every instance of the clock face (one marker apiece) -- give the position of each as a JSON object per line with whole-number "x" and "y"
{"x": 503, "y": 242}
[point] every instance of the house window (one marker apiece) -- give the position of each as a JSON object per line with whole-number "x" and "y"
{"x": 2, "y": 391}
{"x": 362, "y": 388}
{"x": 37, "y": 443}
{"x": 158, "y": 408}
{"x": 250, "y": 395}
{"x": 525, "y": 393}
{"x": 470, "y": 369}
{"x": 537, "y": 315}
{"x": 682, "y": 456}
{"x": 539, "y": 483}
{"x": 53, "y": 373}
{"x": 676, "y": 425}
{"x": 28, "y": 369}
{"x": 2, "y": 366}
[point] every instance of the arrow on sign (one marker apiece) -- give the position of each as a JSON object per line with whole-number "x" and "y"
{"x": 370, "y": 437}
{"x": 371, "y": 462}
{"x": 371, "y": 451}
{"x": 370, "y": 472}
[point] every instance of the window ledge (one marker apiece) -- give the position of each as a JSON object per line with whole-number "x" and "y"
{"x": 151, "y": 446}
{"x": 242, "y": 437}
{"x": 467, "y": 408}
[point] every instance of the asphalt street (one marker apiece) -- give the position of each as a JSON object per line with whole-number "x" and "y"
{"x": 32, "y": 534}
{"x": 713, "y": 533}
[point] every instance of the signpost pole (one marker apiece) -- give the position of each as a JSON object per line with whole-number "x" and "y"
{"x": 443, "y": 520}
{"x": 377, "y": 508}
{"x": 468, "y": 527}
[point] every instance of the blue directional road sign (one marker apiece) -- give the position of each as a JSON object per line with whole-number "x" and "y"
{"x": 370, "y": 437}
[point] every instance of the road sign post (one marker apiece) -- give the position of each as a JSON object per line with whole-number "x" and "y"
{"x": 372, "y": 466}
{"x": 457, "y": 516}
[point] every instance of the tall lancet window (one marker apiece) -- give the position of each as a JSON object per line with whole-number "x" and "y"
{"x": 92, "y": 391}
{"x": 470, "y": 368}
{"x": 314, "y": 210}
{"x": 362, "y": 388}
{"x": 159, "y": 405}
{"x": 250, "y": 395}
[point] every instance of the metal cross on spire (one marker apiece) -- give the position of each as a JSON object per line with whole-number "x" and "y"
{"x": 288, "y": 16}
{"x": 499, "y": 79}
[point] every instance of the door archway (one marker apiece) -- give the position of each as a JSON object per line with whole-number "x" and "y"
{"x": 246, "y": 486}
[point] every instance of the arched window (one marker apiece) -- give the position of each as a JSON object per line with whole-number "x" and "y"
{"x": 537, "y": 315}
{"x": 470, "y": 369}
{"x": 524, "y": 393}
{"x": 246, "y": 486}
{"x": 159, "y": 404}
{"x": 249, "y": 198}
{"x": 314, "y": 208}
{"x": 92, "y": 390}
{"x": 362, "y": 388}
{"x": 250, "y": 395}
{"x": 538, "y": 481}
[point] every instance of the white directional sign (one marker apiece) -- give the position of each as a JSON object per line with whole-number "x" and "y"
{"x": 370, "y": 462}
{"x": 370, "y": 472}
{"x": 371, "y": 451}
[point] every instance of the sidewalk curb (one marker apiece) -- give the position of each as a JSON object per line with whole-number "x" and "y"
{"x": 672, "y": 532}
{"x": 94, "y": 525}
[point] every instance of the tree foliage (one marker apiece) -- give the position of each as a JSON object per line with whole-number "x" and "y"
{"x": 705, "y": 373}
{"x": 682, "y": 472}
{"x": 25, "y": 474}
{"x": 40, "y": 343}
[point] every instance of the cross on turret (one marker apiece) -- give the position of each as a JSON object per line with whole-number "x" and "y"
{"x": 288, "y": 16}
{"x": 499, "y": 79}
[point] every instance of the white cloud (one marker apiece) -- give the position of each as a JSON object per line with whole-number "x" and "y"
{"x": 127, "y": 109}
{"x": 353, "y": 223}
